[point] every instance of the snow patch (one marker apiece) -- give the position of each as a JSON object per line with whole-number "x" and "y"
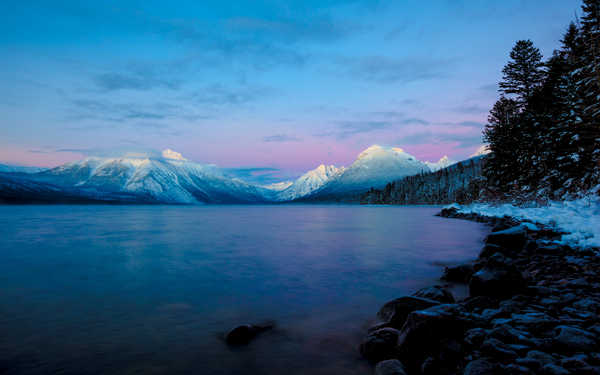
{"x": 579, "y": 219}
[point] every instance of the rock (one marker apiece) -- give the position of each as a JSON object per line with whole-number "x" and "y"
{"x": 478, "y": 303}
{"x": 535, "y": 360}
{"x": 575, "y": 362}
{"x": 480, "y": 367}
{"x": 242, "y": 335}
{"x": 459, "y": 274}
{"x": 380, "y": 345}
{"x": 512, "y": 239}
{"x": 497, "y": 349}
{"x": 574, "y": 339}
{"x": 430, "y": 366}
{"x": 390, "y": 367}
{"x": 436, "y": 293}
{"x": 428, "y": 332}
{"x": 395, "y": 312}
{"x": 475, "y": 336}
{"x": 534, "y": 322}
{"x": 514, "y": 369}
{"x": 552, "y": 369}
{"x": 496, "y": 281}
{"x": 510, "y": 335}
{"x": 488, "y": 250}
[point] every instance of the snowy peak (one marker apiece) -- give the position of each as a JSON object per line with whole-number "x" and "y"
{"x": 173, "y": 155}
{"x": 310, "y": 181}
{"x": 440, "y": 164}
{"x": 374, "y": 167}
{"x": 377, "y": 151}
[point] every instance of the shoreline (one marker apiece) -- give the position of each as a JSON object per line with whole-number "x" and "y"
{"x": 533, "y": 308}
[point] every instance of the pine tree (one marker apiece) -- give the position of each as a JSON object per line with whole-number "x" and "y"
{"x": 589, "y": 86}
{"x": 502, "y": 166}
{"x": 523, "y": 74}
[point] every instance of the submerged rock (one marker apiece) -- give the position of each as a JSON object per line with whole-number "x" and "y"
{"x": 243, "y": 334}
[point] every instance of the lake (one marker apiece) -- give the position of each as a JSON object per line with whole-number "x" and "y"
{"x": 152, "y": 289}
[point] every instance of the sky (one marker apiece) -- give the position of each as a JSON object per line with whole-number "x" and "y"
{"x": 269, "y": 88}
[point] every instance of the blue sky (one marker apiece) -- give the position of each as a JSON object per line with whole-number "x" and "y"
{"x": 278, "y": 85}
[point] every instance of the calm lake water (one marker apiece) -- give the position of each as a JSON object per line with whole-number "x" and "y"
{"x": 152, "y": 289}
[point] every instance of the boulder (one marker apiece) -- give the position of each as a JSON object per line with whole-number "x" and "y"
{"x": 390, "y": 367}
{"x": 497, "y": 349}
{"x": 552, "y": 369}
{"x": 496, "y": 280}
{"x": 574, "y": 339}
{"x": 488, "y": 250}
{"x": 380, "y": 345}
{"x": 395, "y": 312}
{"x": 481, "y": 367}
{"x": 513, "y": 239}
{"x": 242, "y": 335}
{"x": 436, "y": 293}
{"x": 459, "y": 274}
{"x": 429, "y": 332}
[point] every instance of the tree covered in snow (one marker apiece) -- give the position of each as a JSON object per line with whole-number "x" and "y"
{"x": 544, "y": 131}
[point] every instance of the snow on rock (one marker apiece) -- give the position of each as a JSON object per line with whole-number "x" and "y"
{"x": 278, "y": 186}
{"x": 580, "y": 218}
{"x": 440, "y": 164}
{"x": 482, "y": 150}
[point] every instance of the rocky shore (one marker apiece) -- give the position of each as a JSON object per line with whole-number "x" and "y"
{"x": 533, "y": 308}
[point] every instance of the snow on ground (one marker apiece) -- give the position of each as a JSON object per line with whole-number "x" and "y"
{"x": 580, "y": 218}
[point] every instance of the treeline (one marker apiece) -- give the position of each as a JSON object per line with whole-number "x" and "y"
{"x": 544, "y": 130}
{"x": 461, "y": 183}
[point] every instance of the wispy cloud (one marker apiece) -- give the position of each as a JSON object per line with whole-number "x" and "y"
{"x": 281, "y": 138}
{"x": 383, "y": 69}
{"x": 132, "y": 81}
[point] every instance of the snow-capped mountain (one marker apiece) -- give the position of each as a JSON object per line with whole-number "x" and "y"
{"x": 167, "y": 179}
{"x": 374, "y": 167}
{"x": 4, "y": 168}
{"x": 309, "y": 182}
{"x": 440, "y": 164}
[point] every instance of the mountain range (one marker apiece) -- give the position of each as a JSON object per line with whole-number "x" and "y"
{"x": 172, "y": 179}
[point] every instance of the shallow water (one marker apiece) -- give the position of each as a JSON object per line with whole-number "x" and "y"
{"x": 152, "y": 289}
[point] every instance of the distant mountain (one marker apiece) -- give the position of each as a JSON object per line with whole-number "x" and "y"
{"x": 440, "y": 164}
{"x": 309, "y": 182}
{"x": 461, "y": 182}
{"x": 169, "y": 178}
{"x": 373, "y": 168}
{"x": 5, "y": 168}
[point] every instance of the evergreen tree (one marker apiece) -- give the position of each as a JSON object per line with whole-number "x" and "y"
{"x": 589, "y": 93}
{"x": 502, "y": 165}
{"x": 523, "y": 74}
